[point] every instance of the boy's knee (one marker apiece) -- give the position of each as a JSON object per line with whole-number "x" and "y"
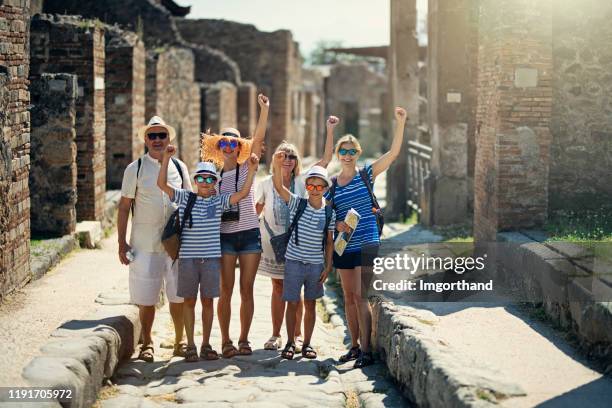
{"x": 207, "y": 302}
{"x": 310, "y": 304}
{"x": 190, "y": 302}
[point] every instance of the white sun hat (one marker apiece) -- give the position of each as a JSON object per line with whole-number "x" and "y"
{"x": 207, "y": 168}
{"x": 320, "y": 172}
{"x": 156, "y": 121}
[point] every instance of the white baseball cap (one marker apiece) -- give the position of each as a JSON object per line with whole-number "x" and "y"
{"x": 207, "y": 168}
{"x": 320, "y": 172}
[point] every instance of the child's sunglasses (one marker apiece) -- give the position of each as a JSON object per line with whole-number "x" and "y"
{"x": 312, "y": 187}
{"x": 232, "y": 144}
{"x": 207, "y": 179}
{"x": 344, "y": 152}
{"x": 160, "y": 136}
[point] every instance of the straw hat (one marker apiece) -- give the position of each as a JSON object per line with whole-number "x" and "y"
{"x": 156, "y": 121}
{"x": 210, "y": 146}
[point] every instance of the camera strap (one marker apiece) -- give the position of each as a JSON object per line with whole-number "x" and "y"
{"x": 235, "y": 184}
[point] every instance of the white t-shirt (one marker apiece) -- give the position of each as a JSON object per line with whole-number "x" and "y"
{"x": 152, "y": 207}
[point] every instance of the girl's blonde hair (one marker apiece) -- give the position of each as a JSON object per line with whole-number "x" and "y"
{"x": 290, "y": 148}
{"x": 348, "y": 139}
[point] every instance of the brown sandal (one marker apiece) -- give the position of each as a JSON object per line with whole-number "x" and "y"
{"x": 191, "y": 354}
{"x": 179, "y": 349}
{"x": 207, "y": 353}
{"x": 146, "y": 353}
{"x": 244, "y": 348}
{"x": 228, "y": 350}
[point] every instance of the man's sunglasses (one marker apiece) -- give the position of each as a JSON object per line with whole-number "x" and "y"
{"x": 207, "y": 180}
{"x": 344, "y": 152}
{"x": 312, "y": 187}
{"x": 223, "y": 143}
{"x": 160, "y": 136}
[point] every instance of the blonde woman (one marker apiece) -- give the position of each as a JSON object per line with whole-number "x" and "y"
{"x": 350, "y": 191}
{"x": 275, "y": 221}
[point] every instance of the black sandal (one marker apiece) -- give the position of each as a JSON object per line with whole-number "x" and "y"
{"x": 364, "y": 360}
{"x": 146, "y": 353}
{"x": 352, "y": 354}
{"x": 288, "y": 351}
{"x": 308, "y": 352}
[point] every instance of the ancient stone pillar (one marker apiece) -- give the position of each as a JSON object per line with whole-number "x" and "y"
{"x": 513, "y": 116}
{"x": 247, "y": 108}
{"x": 218, "y": 106}
{"x": 53, "y": 172}
{"x": 403, "y": 91}
{"x": 451, "y": 61}
{"x": 62, "y": 44}
{"x": 14, "y": 145}
{"x": 125, "y": 102}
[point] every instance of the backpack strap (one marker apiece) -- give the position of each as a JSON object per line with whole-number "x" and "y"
{"x": 187, "y": 213}
{"x": 328, "y": 215}
{"x": 366, "y": 180}
{"x": 296, "y": 218}
{"x": 136, "y": 189}
{"x": 179, "y": 169}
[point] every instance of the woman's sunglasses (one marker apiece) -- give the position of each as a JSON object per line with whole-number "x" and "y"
{"x": 160, "y": 136}
{"x": 207, "y": 180}
{"x": 312, "y": 187}
{"x": 290, "y": 156}
{"x": 344, "y": 152}
{"x": 232, "y": 144}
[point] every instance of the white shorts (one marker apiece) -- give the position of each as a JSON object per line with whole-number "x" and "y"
{"x": 147, "y": 273}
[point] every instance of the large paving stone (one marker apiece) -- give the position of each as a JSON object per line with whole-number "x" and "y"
{"x": 212, "y": 393}
{"x": 91, "y": 351}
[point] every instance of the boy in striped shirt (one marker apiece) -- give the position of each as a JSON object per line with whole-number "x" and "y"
{"x": 308, "y": 259}
{"x": 199, "y": 262}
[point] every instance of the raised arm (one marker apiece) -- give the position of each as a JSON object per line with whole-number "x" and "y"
{"x": 162, "y": 178}
{"x": 328, "y": 153}
{"x": 277, "y": 176}
{"x": 262, "y": 123}
{"x": 244, "y": 191}
{"x": 384, "y": 161}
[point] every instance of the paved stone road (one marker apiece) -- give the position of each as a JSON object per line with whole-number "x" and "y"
{"x": 263, "y": 379}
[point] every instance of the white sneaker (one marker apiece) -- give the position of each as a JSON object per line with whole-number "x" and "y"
{"x": 273, "y": 343}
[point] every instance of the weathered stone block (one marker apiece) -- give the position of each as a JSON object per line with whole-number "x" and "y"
{"x": 89, "y": 233}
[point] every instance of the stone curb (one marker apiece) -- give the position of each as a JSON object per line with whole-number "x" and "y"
{"x": 428, "y": 371}
{"x": 81, "y": 354}
{"x": 40, "y": 265}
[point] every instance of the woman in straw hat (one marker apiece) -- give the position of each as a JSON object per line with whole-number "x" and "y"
{"x": 275, "y": 221}
{"x": 240, "y": 236}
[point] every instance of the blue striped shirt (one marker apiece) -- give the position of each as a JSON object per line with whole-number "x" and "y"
{"x": 310, "y": 229}
{"x": 355, "y": 195}
{"x": 203, "y": 240}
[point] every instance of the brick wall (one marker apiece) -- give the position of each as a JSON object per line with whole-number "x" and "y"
{"x": 265, "y": 58}
{"x": 246, "y": 109}
{"x": 172, "y": 94}
{"x": 514, "y": 104}
{"x": 53, "y": 173}
{"x": 14, "y": 145}
{"x": 581, "y": 150}
{"x": 63, "y": 44}
{"x": 218, "y": 106}
{"x": 125, "y": 102}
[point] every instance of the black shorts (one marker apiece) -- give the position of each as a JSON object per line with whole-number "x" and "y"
{"x": 351, "y": 260}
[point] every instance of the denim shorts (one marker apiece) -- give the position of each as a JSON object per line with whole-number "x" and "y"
{"x": 350, "y": 260}
{"x": 298, "y": 274}
{"x": 202, "y": 272}
{"x": 241, "y": 242}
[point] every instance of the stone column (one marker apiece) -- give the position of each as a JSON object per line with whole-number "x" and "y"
{"x": 53, "y": 175}
{"x": 451, "y": 107}
{"x": 218, "y": 106}
{"x": 14, "y": 145}
{"x": 513, "y": 116}
{"x": 125, "y": 102}
{"x": 403, "y": 91}
{"x": 62, "y": 44}
{"x": 247, "y": 108}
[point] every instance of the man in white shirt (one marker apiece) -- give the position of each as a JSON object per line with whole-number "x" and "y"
{"x": 150, "y": 265}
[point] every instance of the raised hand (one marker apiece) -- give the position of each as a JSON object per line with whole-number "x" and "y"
{"x": 170, "y": 150}
{"x": 400, "y": 114}
{"x": 253, "y": 162}
{"x": 332, "y": 121}
{"x": 263, "y": 101}
{"x": 278, "y": 159}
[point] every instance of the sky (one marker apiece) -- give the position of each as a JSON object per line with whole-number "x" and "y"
{"x": 356, "y": 23}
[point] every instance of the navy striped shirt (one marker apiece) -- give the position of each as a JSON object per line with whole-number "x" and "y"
{"x": 203, "y": 239}
{"x": 310, "y": 229}
{"x": 355, "y": 195}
